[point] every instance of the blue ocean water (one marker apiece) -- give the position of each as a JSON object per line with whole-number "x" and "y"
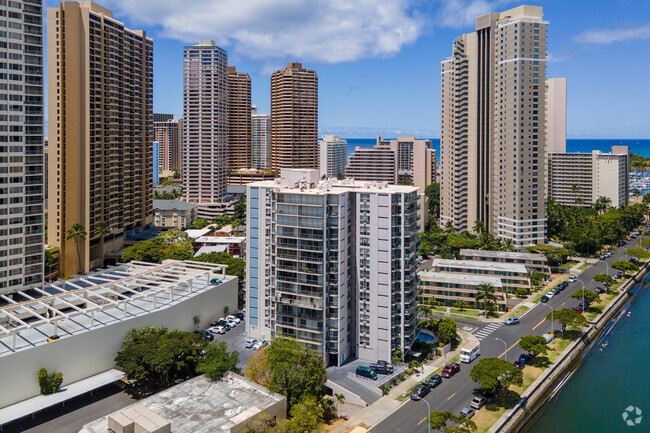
{"x": 639, "y": 146}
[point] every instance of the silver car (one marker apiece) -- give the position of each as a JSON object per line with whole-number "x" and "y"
{"x": 467, "y": 412}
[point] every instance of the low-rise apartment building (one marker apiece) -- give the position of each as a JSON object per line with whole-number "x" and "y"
{"x": 448, "y": 288}
{"x": 173, "y": 214}
{"x": 532, "y": 261}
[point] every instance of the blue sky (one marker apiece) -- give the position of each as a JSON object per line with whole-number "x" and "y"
{"x": 378, "y": 60}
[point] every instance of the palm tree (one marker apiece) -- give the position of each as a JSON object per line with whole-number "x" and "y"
{"x": 449, "y": 228}
{"x": 102, "y": 230}
{"x": 509, "y": 245}
{"x": 486, "y": 293}
{"x": 77, "y": 232}
{"x": 602, "y": 204}
{"x": 340, "y": 398}
{"x": 479, "y": 227}
{"x": 426, "y": 310}
{"x": 575, "y": 189}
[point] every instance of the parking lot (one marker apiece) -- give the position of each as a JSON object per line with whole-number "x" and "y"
{"x": 236, "y": 338}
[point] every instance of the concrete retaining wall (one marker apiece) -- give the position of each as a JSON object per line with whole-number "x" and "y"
{"x": 350, "y": 397}
{"x": 91, "y": 352}
{"x": 536, "y": 392}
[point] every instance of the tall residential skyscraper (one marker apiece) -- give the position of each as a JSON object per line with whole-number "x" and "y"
{"x": 556, "y": 115}
{"x": 21, "y": 146}
{"x": 100, "y": 92}
{"x": 261, "y": 139}
{"x": 378, "y": 164}
{"x": 205, "y": 123}
{"x": 333, "y": 155}
{"x": 493, "y": 110}
{"x": 239, "y": 119}
{"x": 167, "y": 133}
{"x": 294, "y": 118}
{"x": 332, "y": 264}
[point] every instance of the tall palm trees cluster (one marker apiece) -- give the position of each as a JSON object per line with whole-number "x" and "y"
{"x": 78, "y": 233}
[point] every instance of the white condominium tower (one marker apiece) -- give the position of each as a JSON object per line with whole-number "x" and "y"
{"x": 492, "y": 127}
{"x": 332, "y": 264}
{"x": 21, "y": 146}
{"x": 205, "y": 74}
{"x": 333, "y": 153}
{"x": 261, "y": 139}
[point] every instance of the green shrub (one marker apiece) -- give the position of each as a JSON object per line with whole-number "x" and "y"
{"x": 49, "y": 383}
{"x": 522, "y": 292}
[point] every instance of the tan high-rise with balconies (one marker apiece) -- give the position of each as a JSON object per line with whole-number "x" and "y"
{"x": 239, "y": 119}
{"x": 294, "y": 118}
{"x": 492, "y": 127}
{"x": 167, "y": 134}
{"x": 100, "y": 91}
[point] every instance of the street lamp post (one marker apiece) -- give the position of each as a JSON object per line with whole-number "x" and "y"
{"x": 428, "y": 414}
{"x": 505, "y": 346}
{"x": 552, "y": 327}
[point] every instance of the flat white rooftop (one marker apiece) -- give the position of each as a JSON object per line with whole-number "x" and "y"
{"x": 503, "y": 254}
{"x": 479, "y": 265}
{"x": 457, "y": 278}
{"x": 202, "y": 406}
{"x": 69, "y": 307}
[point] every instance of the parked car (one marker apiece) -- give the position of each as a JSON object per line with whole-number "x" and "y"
{"x": 602, "y": 257}
{"x": 215, "y": 281}
{"x": 434, "y": 381}
{"x": 478, "y": 402}
{"x": 633, "y": 260}
{"x": 260, "y": 344}
{"x": 450, "y": 369}
{"x": 564, "y": 285}
{"x": 578, "y": 309}
{"x": 52, "y": 338}
{"x": 217, "y": 330}
{"x": 548, "y": 338}
{"x": 235, "y": 319}
{"x": 599, "y": 290}
{"x": 550, "y": 295}
{"x": 239, "y": 315}
{"x": 250, "y": 342}
{"x": 525, "y": 358}
{"x": 622, "y": 243}
{"x": 545, "y": 298}
{"x": 512, "y": 321}
{"x": 367, "y": 372}
{"x": 467, "y": 412}
{"x": 208, "y": 336}
{"x": 572, "y": 279}
{"x": 420, "y": 391}
{"x": 231, "y": 322}
{"x": 519, "y": 365}
{"x": 382, "y": 367}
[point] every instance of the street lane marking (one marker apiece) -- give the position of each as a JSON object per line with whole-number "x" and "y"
{"x": 451, "y": 396}
{"x": 536, "y": 326}
{"x": 563, "y": 303}
{"x": 422, "y": 420}
{"x": 517, "y": 342}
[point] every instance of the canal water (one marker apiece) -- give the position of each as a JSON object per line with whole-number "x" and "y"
{"x": 610, "y": 391}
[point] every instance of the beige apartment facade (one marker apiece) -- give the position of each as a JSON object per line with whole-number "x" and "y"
{"x": 579, "y": 179}
{"x": 173, "y": 214}
{"x": 100, "y": 131}
{"x": 492, "y": 127}
{"x": 532, "y": 261}
{"x": 556, "y": 115}
{"x": 448, "y": 289}
{"x": 378, "y": 164}
{"x": 294, "y": 118}
{"x": 167, "y": 134}
{"x": 239, "y": 119}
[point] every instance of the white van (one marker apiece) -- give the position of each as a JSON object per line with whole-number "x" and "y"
{"x": 469, "y": 355}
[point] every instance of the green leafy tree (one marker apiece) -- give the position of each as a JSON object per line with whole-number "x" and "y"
{"x": 459, "y": 424}
{"x": 446, "y": 330}
{"x": 568, "y": 317}
{"x": 425, "y": 310}
{"x": 404, "y": 179}
{"x": 77, "y": 233}
{"x": 296, "y": 372}
{"x": 589, "y": 296}
{"x": 432, "y": 191}
{"x": 177, "y": 174}
{"x": 490, "y": 373}
{"x": 49, "y": 383}
{"x": 217, "y": 360}
{"x": 239, "y": 212}
{"x": 533, "y": 343}
{"x": 198, "y": 223}
{"x": 485, "y": 293}
{"x": 604, "y": 278}
{"x": 624, "y": 266}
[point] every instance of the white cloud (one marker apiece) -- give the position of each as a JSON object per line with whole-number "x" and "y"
{"x": 463, "y": 13}
{"x": 551, "y": 58}
{"x": 604, "y": 37}
{"x": 327, "y": 31}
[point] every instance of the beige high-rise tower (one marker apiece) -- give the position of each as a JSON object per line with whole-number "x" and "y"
{"x": 294, "y": 118}
{"x": 239, "y": 119}
{"x": 100, "y": 79}
{"x": 205, "y": 123}
{"x": 556, "y": 115}
{"x": 492, "y": 127}
{"x": 167, "y": 134}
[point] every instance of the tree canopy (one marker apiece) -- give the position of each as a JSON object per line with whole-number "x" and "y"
{"x": 438, "y": 421}
{"x": 446, "y": 330}
{"x": 533, "y": 343}
{"x": 568, "y": 317}
{"x": 604, "y": 278}
{"x": 217, "y": 360}
{"x": 585, "y": 294}
{"x": 491, "y": 373}
{"x": 624, "y": 266}
{"x": 198, "y": 223}
{"x": 170, "y": 244}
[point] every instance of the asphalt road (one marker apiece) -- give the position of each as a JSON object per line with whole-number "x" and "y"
{"x": 456, "y": 393}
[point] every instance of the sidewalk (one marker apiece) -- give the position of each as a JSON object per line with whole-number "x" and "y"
{"x": 385, "y": 406}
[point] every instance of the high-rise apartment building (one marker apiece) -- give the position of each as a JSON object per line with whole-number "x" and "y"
{"x": 493, "y": 107}
{"x": 239, "y": 119}
{"x": 294, "y": 118}
{"x": 556, "y": 115}
{"x": 378, "y": 164}
{"x": 332, "y": 264}
{"x": 100, "y": 92}
{"x": 333, "y": 153}
{"x": 261, "y": 139}
{"x": 21, "y": 146}
{"x": 167, "y": 134}
{"x": 156, "y": 163}
{"x": 205, "y": 123}
{"x": 579, "y": 179}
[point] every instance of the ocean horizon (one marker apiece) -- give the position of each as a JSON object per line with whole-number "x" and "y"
{"x": 637, "y": 146}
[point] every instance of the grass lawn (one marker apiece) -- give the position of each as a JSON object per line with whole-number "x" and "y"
{"x": 485, "y": 419}
{"x": 466, "y": 312}
{"x": 460, "y": 316}
{"x": 519, "y": 310}
{"x": 584, "y": 266}
{"x": 570, "y": 264}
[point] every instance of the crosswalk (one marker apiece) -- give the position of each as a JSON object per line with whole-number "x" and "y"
{"x": 487, "y": 330}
